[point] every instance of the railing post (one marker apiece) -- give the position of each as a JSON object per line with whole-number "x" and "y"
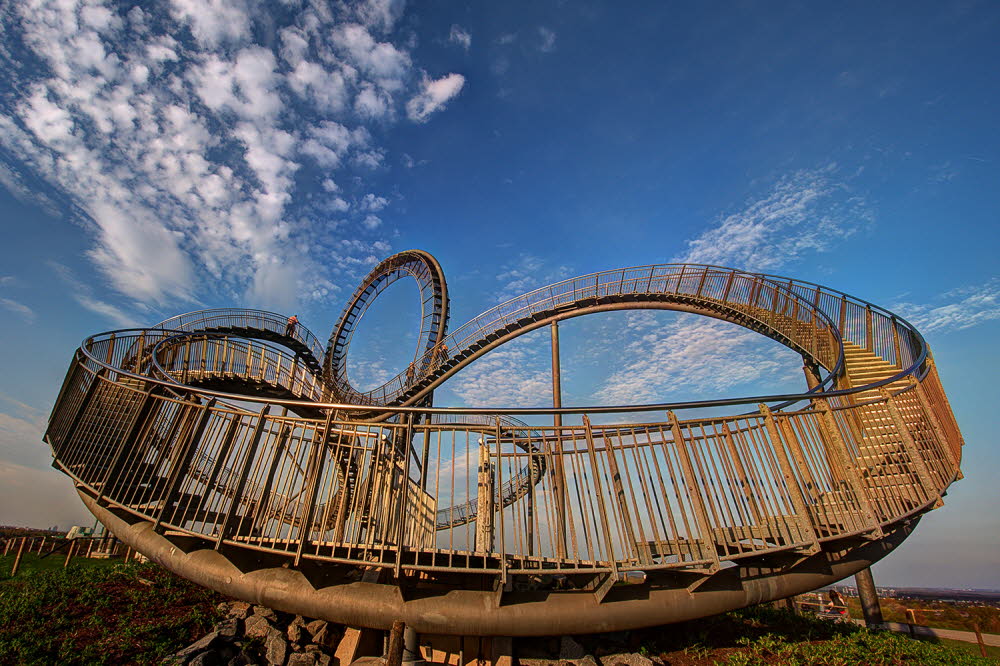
{"x": 499, "y": 482}
{"x": 181, "y": 460}
{"x": 314, "y": 476}
{"x": 229, "y": 522}
{"x": 558, "y": 469}
{"x": 919, "y": 464}
{"x": 693, "y": 492}
{"x": 612, "y": 560}
{"x": 835, "y": 443}
{"x": 404, "y": 493}
{"x": 741, "y": 472}
{"x": 804, "y": 517}
{"x": 81, "y": 408}
{"x": 729, "y": 285}
{"x": 895, "y": 342}
{"x": 869, "y": 333}
{"x": 616, "y": 482}
{"x": 932, "y": 418}
{"x": 135, "y": 429}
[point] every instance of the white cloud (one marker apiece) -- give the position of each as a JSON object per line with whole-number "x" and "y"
{"x": 958, "y": 309}
{"x": 527, "y": 272}
{"x": 548, "y": 40}
{"x": 383, "y": 61}
{"x": 183, "y": 152}
{"x": 514, "y": 375}
{"x": 379, "y": 14}
{"x": 18, "y": 308}
{"x": 373, "y": 203}
{"x": 83, "y": 294}
{"x": 213, "y": 22}
{"x": 808, "y": 211}
{"x": 434, "y": 96}
{"x": 460, "y": 36}
{"x": 371, "y": 222}
{"x": 691, "y": 355}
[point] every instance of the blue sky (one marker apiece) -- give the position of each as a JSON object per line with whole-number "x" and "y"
{"x": 227, "y": 153}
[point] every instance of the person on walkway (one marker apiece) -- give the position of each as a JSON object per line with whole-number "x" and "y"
{"x": 410, "y": 372}
{"x": 293, "y": 323}
{"x": 442, "y": 352}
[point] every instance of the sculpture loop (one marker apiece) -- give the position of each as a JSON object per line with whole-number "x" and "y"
{"x": 209, "y": 444}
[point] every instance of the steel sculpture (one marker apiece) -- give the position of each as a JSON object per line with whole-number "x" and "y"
{"x": 241, "y": 457}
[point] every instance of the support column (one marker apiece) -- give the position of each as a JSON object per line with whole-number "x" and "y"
{"x": 558, "y": 472}
{"x": 811, "y": 371}
{"x": 869, "y": 598}
{"x": 411, "y": 647}
{"x": 484, "y": 501}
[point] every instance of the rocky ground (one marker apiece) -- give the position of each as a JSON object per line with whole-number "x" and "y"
{"x": 258, "y": 635}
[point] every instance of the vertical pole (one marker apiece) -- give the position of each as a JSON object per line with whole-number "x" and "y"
{"x": 394, "y": 655}
{"x": 411, "y": 646}
{"x": 17, "y": 558}
{"x": 558, "y": 472}
{"x": 869, "y": 598}
{"x": 979, "y": 639}
{"x": 484, "y": 501}
{"x": 69, "y": 553}
{"x": 811, "y": 372}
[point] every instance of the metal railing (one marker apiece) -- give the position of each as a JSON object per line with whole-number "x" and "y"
{"x": 231, "y": 319}
{"x": 667, "y": 493}
{"x": 786, "y": 312}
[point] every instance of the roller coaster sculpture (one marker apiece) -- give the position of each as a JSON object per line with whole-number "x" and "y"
{"x": 237, "y": 453}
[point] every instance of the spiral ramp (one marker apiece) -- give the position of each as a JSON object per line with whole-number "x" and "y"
{"x": 229, "y": 452}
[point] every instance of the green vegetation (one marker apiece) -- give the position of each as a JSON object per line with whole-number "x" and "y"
{"x": 99, "y": 614}
{"x": 765, "y": 635}
{"x": 859, "y": 647}
{"x": 35, "y": 562}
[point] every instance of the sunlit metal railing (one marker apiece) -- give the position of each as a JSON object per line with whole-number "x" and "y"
{"x": 659, "y": 491}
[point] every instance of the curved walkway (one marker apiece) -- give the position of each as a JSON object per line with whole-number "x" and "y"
{"x": 338, "y": 516}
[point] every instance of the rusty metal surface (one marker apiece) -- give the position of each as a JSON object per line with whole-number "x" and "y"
{"x": 212, "y": 451}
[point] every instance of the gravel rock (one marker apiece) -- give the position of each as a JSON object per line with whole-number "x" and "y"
{"x": 570, "y": 649}
{"x": 256, "y": 626}
{"x": 238, "y": 609}
{"x": 208, "y": 658}
{"x": 625, "y": 659}
{"x": 264, "y": 611}
{"x": 315, "y": 627}
{"x": 200, "y": 645}
{"x": 276, "y": 648}
{"x": 302, "y": 659}
{"x": 325, "y": 637}
{"x": 228, "y": 628}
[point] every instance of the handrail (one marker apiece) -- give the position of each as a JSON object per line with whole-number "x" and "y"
{"x": 273, "y": 322}
{"x": 332, "y": 483}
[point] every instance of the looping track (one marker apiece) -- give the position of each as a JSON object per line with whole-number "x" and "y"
{"x": 209, "y": 443}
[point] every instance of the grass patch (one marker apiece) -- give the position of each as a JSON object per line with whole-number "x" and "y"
{"x": 35, "y": 562}
{"x": 100, "y": 614}
{"x": 767, "y": 636}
